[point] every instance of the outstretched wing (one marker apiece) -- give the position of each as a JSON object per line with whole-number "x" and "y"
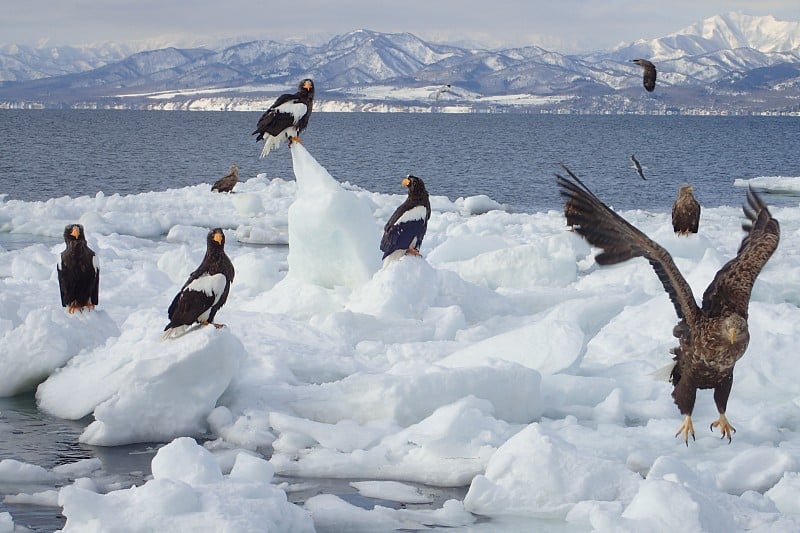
{"x": 621, "y": 241}
{"x": 731, "y": 288}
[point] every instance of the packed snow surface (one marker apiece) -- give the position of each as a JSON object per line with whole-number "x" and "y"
{"x": 504, "y": 362}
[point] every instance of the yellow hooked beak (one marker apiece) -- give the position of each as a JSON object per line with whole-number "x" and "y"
{"x": 406, "y": 182}
{"x": 307, "y": 85}
{"x": 217, "y": 237}
{"x": 732, "y": 335}
{"x": 76, "y": 232}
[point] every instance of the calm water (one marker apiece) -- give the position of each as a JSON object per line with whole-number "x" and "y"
{"x": 510, "y": 157}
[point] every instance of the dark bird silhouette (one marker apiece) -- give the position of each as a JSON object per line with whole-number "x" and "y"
{"x": 638, "y": 167}
{"x": 685, "y": 212}
{"x": 286, "y": 118}
{"x": 227, "y": 182}
{"x": 406, "y": 228}
{"x": 712, "y": 337}
{"x": 78, "y": 272}
{"x": 206, "y": 290}
{"x": 648, "y": 72}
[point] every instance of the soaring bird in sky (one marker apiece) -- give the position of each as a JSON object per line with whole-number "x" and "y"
{"x": 78, "y": 271}
{"x": 685, "y": 212}
{"x": 638, "y": 167}
{"x": 648, "y": 74}
{"x": 404, "y": 231}
{"x": 711, "y": 337}
{"x": 227, "y": 182}
{"x": 206, "y": 290}
{"x": 286, "y": 118}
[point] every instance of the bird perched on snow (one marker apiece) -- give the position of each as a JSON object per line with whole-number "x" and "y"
{"x": 206, "y": 290}
{"x": 648, "y": 73}
{"x": 404, "y": 231}
{"x": 638, "y": 167}
{"x": 712, "y": 337}
{"x": 228, "y": 181}
{"x": 78, "y": 271}
{"x": 286, "y": 118}
{"x": 685, "y": 212}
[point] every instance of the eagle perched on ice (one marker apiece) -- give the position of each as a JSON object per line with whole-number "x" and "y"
{"x": 206, "y": 290}
{"x": 406, "y": 228}
{"x": 712, "y": 337}
{"x": 648, "y": 74}
{"x": 286, "y": 118}
{"x": 78, "y": 271}
{"x": 227, "y": 182}
{"x": 685, "y": 212}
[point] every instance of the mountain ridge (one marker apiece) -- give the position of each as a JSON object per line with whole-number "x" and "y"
{"x": 740, "y": 63}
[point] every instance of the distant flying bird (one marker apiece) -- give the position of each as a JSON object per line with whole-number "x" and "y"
{"x": 286, "y": 118}
{"x": 406, "y": 228}
{"x": 685, "y": 212}
{"x": 440, "y": 91}
{"x": 228, "y": 181}
{"x": 649, "y": 73}
{"x": 638, "y": 167}
{"x": 78, "y": 272}
{"x": 712, "y": 337}
{"x": 206, "y": 290}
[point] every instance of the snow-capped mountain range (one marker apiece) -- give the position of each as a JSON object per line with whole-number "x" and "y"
{"x": 731, "y": 63}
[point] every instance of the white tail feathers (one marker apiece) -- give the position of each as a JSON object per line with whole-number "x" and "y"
{"x": 664, "y": 373}
{"x": 270, "y": 144}
{"x": 178, "y": 331}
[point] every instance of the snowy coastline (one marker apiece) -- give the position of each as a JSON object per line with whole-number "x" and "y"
{"x": 505, "y": 361}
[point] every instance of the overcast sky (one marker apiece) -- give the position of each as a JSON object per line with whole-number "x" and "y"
{"x": 561, "y": 25}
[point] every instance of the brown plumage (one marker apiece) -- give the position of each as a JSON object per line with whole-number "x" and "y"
{"x": 685, "y": 212}
{"x": 648, "y": 74}
{"x": 712, "y": 337}
{"x": 227, "y": 182}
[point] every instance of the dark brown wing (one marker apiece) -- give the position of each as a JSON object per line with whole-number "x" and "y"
{"x": 620, "y": 241}
{"x": 225, "y": 184}
{"x": 648, "y": 74}
{"x": 731, "y": 288}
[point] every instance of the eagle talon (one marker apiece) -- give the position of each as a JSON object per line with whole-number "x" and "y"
{"x": 725, "y": 427}
{"x": 295, "y": 139}
{"x": 687, "y": 428}
{"x": 413, "y": 251}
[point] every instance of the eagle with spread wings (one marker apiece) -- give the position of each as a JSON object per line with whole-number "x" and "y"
{"x": 711, "y": 337}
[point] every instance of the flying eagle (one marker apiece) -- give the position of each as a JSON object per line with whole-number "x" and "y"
{"x": 206, "y": 290}
{"x": 649, "y": 73}
{"x": 685, "y": 212}
{"x": 78, "y": 272}
{"x": 286, "y": 118}
{"x": 227, "y": 182}
{"x": 712, "y": 337}
{"x": 637, "y": 167}
{"x": 404, "y": 231}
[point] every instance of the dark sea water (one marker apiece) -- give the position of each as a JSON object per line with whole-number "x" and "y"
{"x": 510, "y": 157}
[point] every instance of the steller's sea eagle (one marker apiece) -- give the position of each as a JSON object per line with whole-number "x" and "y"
{"x": 286, "y": 118}
{"x": 405, "y": 229}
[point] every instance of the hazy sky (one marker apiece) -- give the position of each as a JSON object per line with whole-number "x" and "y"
{"x": 562, "y": 25}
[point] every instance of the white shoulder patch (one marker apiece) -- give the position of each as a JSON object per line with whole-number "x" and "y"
{"x": 415, "y": 213}
{"x": 210, "y": 285}
{"x": 96, "y": 262}
{"x": 296, "y": 109}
